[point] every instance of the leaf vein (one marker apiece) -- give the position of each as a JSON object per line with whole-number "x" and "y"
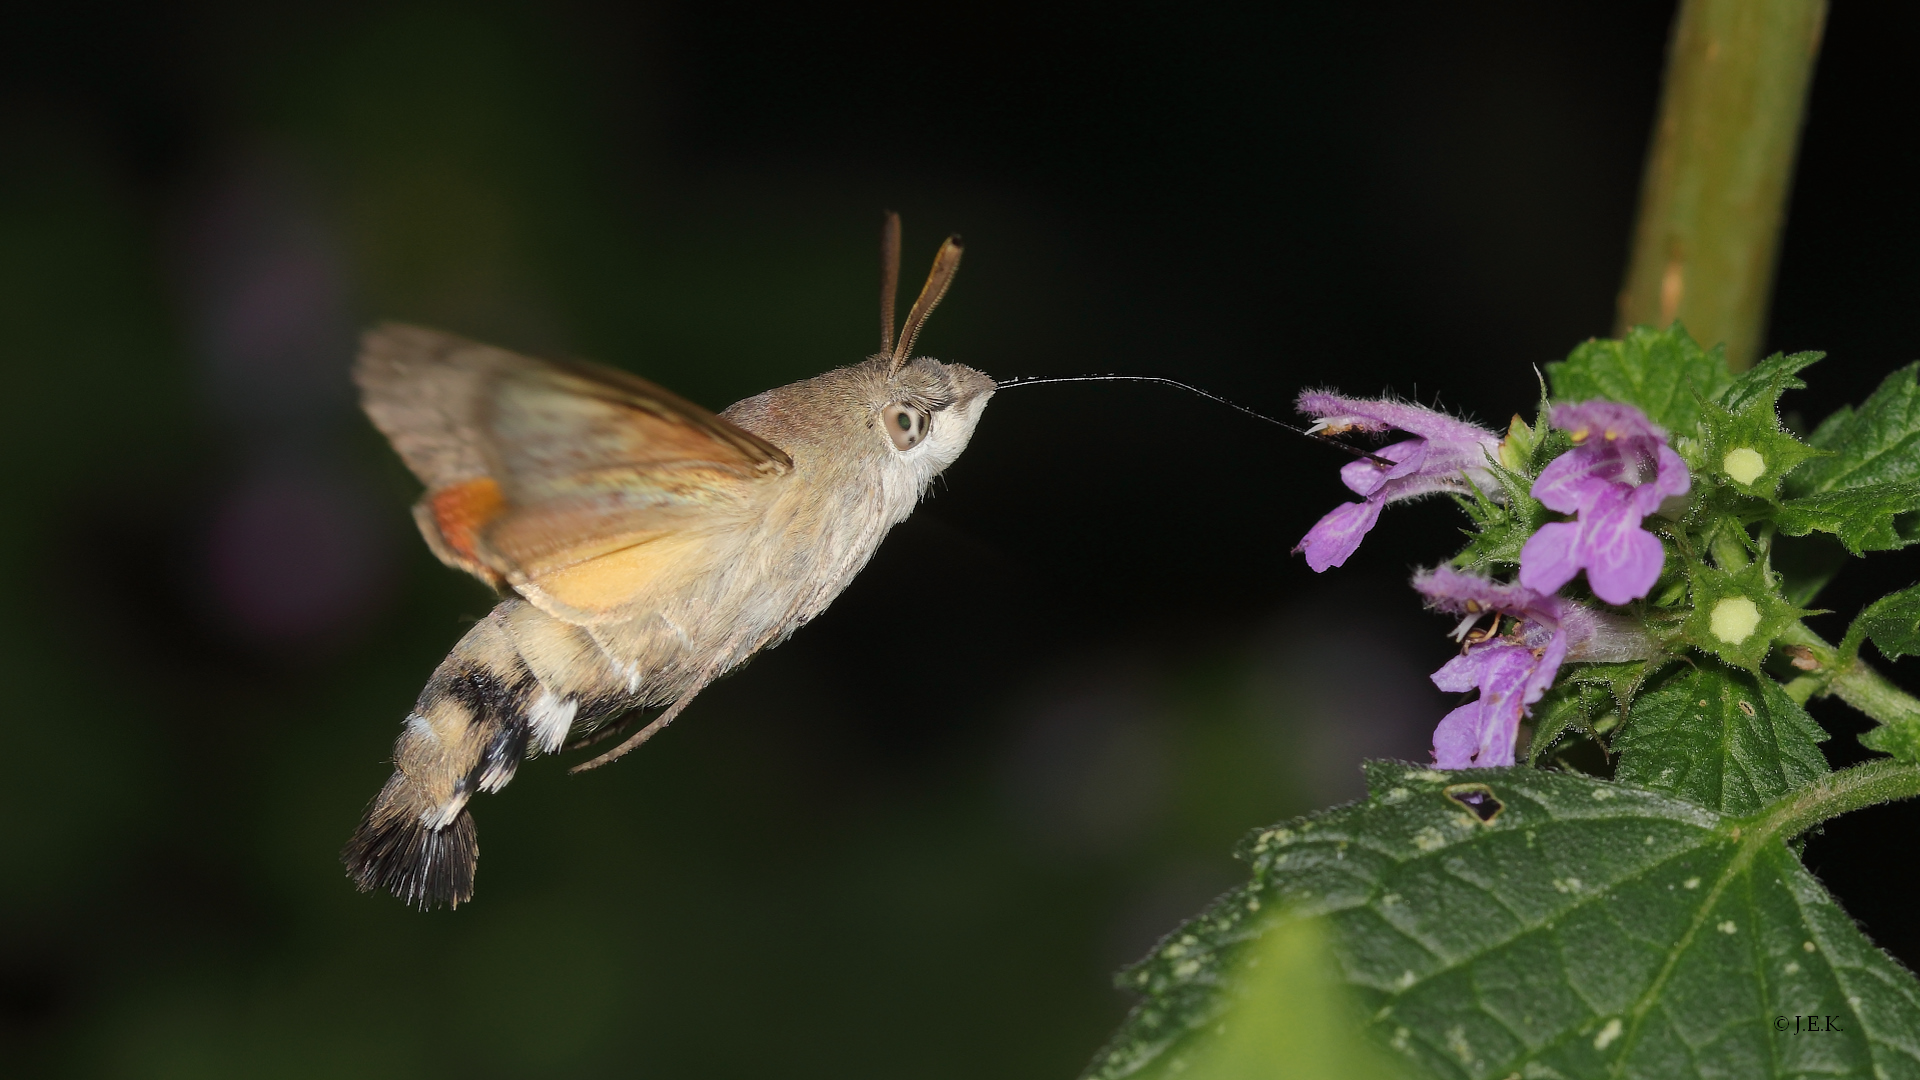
{"x": 1595, "y": 896}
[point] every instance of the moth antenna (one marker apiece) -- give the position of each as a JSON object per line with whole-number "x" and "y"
{"x": 889, "y": 280}
{"x": 944, "y": 265}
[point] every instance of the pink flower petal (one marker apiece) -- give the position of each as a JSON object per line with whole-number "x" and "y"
{"x": 1482, "y": 736}
{"x": 1562, "y": 484}
{"x": 1385, "y": 414}
{"x": 1550, "y": 557}
{"x": 1337, "y": 535}
{"x": 1601, "y": 418}
{"x": 1460, "y": 674}
{"x": 1449, "y": 589}
{"x": 1673, "y": 474}
{"x": 1456, "y": 742}
{"x": 1364, "y": 476}
{"x": 1623, "y": 559}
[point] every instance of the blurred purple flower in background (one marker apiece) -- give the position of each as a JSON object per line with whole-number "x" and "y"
{"x": 1445, "y": 455}
{"x": 1511, "y": 671}
{"x": 1619, "y": 471}
{"x": 294, "y": 550}
{"x": 295, "y": 554}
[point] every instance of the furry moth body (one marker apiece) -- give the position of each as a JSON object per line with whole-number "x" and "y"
{"x": 647, "y": 546}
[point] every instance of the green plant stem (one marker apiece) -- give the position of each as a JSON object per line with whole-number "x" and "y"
{"x": 1878, "y": 781}
{"x": 1718, "y": 171}
{"x": 1869, "y": 691}
{"x": 1852, "y": 680}
{"x": 1730, "y": 553}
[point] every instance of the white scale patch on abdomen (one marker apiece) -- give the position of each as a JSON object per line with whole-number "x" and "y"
{"x": 551, "y": 718}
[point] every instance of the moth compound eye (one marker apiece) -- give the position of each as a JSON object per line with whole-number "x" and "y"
{"x": 905, "y": 425}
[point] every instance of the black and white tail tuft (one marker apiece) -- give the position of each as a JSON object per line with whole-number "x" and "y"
{"x": 394, "y": 850}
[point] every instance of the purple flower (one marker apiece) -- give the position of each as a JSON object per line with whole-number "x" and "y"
{"x": 1619, "y": 471}
{"x": 1510, "y": 677}
{"x": 1444, "y": 455}
{"x": 1511, "y": 669}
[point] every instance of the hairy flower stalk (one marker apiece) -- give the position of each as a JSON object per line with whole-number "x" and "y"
{"x": 1446, "y": 454}
{"x": 1511, "y": 665}
{"x": 1619, "y": 470}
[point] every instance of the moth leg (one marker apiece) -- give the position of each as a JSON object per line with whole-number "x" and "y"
{"x": 600, "y": 735}
{"x": 633, "y": 742}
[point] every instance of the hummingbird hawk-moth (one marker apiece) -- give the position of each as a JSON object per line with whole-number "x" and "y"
{"x": 643, "y": 545}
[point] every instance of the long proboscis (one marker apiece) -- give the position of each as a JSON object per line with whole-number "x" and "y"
{"x": 1383, "y": 462}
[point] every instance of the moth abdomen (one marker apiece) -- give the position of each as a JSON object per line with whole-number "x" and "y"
{"x": 505, "y": 746}
{"x": 517, "y": 683}
{"x": 497, "y": 707}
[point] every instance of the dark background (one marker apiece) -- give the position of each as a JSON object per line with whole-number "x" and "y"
{"x": 920, "y": 837}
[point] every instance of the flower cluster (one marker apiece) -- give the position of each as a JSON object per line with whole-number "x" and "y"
{"x": 1619, "y": 471}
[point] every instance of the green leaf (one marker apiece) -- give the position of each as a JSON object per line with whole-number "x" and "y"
{"x": 1878, "y": 443}
{"x": 1736, "y": 615}
{"x": 1516, "y": 450}
{"x": 1623, "y": 679}
{"x": 1548, "y": 443}
{"x": 1745, "y": 447}
{"x": 1719, "y": 738}
{"x": 1893, "y": 622}
{"x": 1901, "y": 738}
{"x": 1582, "y": 928}
{"x": 1867, "y": 492}
{"x": 1872, "y": 517}
{"x": 1589, "y": 699}
{"x": 1501, "y": 529}
{"x": 1571, "y": 706}
{"x": 1289, "y": 975}
{"x": 1663, "y": 372}
{"x": 1761, "y": 385}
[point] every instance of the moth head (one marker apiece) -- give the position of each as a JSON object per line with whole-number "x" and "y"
{"x": 923, "y": 409}
{"x": 923, "y": 413}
